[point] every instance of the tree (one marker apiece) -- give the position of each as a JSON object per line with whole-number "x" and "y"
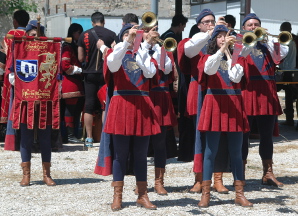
{"x": 9, "y": 6}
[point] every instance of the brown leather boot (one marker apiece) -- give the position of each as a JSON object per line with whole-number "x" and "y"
{"x": 197, "y": 187}
{"x": 26, "y": 173}
{"x": 268, "y": 176}
{"x": 47, "y": 179}
{"x": 218, "y": 185}
{"x": 205, "y": 199}
{"x": 143, "y": 199}
{"x": 117, "y": 201}
{"x": 159, "y": 186}
{"x": 240, "y": 198}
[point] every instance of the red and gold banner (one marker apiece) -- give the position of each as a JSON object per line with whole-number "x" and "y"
{"x": 36, "y": 69}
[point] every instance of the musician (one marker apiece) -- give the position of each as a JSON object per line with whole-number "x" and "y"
{"x": 260, "y": 96}
{"x": 163, "y": 106}
{"x": 190, "y": 51}
{"x": 222, "y": 110}
{"x": 131, "y": 114}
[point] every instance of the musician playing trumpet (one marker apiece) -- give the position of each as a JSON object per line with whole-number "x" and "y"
{"x": 260, "y": 96}
{"x": 222, "y": 110}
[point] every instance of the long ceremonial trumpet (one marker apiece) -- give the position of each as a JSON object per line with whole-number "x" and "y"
{"x": 149, "y": 20}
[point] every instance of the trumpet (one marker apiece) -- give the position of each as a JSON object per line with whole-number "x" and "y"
{"x": 284, "y": 37}
{"x": 170, "y": 44}
{"x": 249, "y": 39}
{"x": 149, "y": 20}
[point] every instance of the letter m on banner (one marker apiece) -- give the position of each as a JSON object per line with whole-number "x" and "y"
{"x": 36, "y": 99}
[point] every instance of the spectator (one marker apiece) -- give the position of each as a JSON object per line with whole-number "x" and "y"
{"x": 92, "y": 69}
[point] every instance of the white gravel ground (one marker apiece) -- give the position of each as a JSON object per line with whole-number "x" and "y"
{"x": 81, "y": 192}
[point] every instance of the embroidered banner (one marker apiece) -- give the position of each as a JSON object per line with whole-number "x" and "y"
{"x": 37, "y": 66}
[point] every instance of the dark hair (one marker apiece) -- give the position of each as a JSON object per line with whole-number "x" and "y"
{"x": 97, "y": 17}
{"x": 129, "y": 18}
{"x": 194, "y": 29}
{"x": 286, "y": 26}
{"x": 74, "y": 27}
{"x": 177, "y": 19}
{"x": 22, "y": 17}
{"x": 230, "y": 19}
{"x": 212, "y": 47}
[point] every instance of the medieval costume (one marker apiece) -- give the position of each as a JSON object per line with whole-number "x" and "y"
{"x": 222, "y": 111}
{"x": 130, "y": 115}
{"x": 163, "y": 105}
{"x": 261, "y": 100}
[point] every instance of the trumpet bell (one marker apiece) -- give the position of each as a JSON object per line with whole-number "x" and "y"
{"x": 170, "y": 44}
{"x": 285, "y": 38}
{"x": 260, "y": 33}
{"x": 149, "y": 19}
{"x": 249, "y": 39}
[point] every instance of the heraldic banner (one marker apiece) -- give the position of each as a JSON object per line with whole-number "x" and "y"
{"x": 36, "y": 68}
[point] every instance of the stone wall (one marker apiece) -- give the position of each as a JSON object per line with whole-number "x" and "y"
{"x": 114, "y": 7}
{"x": 74, "y": 8}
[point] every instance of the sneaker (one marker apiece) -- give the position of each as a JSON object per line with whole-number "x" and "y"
{"x": 89, "y": 142}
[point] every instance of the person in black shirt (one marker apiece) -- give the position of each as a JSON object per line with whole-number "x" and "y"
{"x": 177, "y": 27}
{"x": 92, "y": 67}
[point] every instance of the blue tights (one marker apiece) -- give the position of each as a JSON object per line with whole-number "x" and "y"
{"x": 234, "y": 145}
{"x": 121, "y": 151}
{"x": 27, "y": 139}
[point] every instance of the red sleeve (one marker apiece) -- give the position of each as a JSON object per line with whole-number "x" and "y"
{"x": 106, "y": 72}
{"x": 183, "y": 60}
{"x": 171, "y": 74}
{"x": 66, "y": 59}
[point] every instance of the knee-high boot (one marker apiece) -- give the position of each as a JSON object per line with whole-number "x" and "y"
{"x": 197, "y": 187}
{"x": 205, "y": 199}
{"x": 117, "y": 201}
{"x": 268, "y": 176}
{"x": 218, "y": 184}
{"x": 143, "y": 199}
{"x": 47, "y": 179}
{"x": 26, "y": 173}
{"x": 159, "y": 185}
{"x": 240, "y": 198}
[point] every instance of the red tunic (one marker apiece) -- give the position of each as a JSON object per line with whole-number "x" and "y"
{"x": 7, "y": 46}
{"x": 223, "y": 108}
{"x": 161, "y": 98}
{"x": 131, "y": 112}
{"x": 260, "y": 96}
{"x": 189, "y": 66}
{"x": 72, "y": 85}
